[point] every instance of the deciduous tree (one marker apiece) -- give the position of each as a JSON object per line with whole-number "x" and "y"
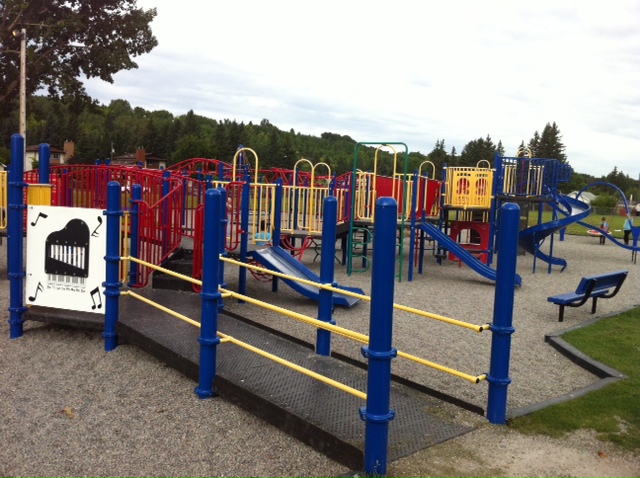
{"x": 68, "y": 39}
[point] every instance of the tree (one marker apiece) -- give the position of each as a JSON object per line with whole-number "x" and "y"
{"x": 549, "y": 144}
{"x": 67, "y": 39}
{"x": 534, "y": 144}
{"x": 481, "y": 149}
{"x": 438, "y": 154}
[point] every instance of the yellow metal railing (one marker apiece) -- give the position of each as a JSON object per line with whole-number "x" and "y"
{"x": 365, "y": 196}
{"x": 362, "y": 338}
{"x": 4, "y": 199}
{"x": 354, "y": 335}
{"x": 468, "y": 188}
{"x": 510, "y": 179}
{"x": 531, "y": 185}
{"x": 263, "y": 210}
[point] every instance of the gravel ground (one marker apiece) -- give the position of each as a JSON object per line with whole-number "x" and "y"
{"x": 70, "y": 409}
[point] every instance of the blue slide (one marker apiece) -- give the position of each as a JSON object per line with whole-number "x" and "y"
{"x": 532, "y": 237}
{"x": 277, "y": 259}
{"x": 464, "y": 255}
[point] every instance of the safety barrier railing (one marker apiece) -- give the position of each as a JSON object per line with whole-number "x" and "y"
{"x": 365, "y": 196}
{"x": 199, "y": 168}
{"x": 370, "y": 186}
{"x": 354, "y": 335}
{"x": 85, "y": 186}
{"x": 225, "y": 294}
{"x": 262, "y": 214}
{"x": 468, "y": 187}
{"x": 532, "y": 177}
{"x": 427, "y": 197}
{"x": 522, "y": 177}
{"x": 156, "y": 229}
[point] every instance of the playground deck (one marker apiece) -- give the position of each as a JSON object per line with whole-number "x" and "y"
{"x": 323, "y": 417}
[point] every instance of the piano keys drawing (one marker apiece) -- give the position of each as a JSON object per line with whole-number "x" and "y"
{"x": 65, "y": 258}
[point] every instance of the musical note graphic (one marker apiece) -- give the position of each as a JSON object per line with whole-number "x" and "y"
{"x": 95, "y": 231}
{"x": 40, "y": 288}
{"x": 40, "y": 215}
{"x": 93, "y": 293}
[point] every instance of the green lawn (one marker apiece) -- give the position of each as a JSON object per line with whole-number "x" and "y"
{"x": 613, "y": 411}
{"x": 615, "y": 221}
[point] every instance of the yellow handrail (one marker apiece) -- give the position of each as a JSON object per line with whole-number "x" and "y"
{"x": 227, "y": 338}
{"x": 362, "y": 338}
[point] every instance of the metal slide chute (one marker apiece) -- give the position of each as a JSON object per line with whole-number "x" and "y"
{"x": 277, "y": 259}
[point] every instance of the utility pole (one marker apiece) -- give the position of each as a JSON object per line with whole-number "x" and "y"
{"x": 22, "y": 33}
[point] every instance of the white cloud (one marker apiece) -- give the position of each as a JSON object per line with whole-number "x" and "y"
{"x": 406, "y": 71}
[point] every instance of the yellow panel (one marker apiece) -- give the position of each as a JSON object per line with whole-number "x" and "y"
{"x": 4, "y": 199}
{"x": 469, "y": 188}
{"x": 39, "y": 195}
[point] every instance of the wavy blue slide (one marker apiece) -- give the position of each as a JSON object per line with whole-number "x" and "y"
{"x": 462, "y": 254}
{"x": 532, "y": 237}
{"x": 277, "y": 259}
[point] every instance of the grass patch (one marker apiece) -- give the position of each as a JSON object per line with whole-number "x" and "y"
{"x": 616, "y": 222}
{"x": 613, "y": 411}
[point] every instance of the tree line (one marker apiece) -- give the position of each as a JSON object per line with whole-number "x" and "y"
{"x": 100, "y": 131}
{"x": 65, "y": 41}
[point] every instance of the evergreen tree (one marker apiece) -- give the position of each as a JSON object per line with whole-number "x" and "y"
{"x": 534, "y": 145}
{"x": 549, "y": 144}
{"x": 438, "y": 155}
{"x": 481, "y": 149}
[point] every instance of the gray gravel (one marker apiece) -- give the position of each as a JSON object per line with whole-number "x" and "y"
{"x": 71, "y": 409}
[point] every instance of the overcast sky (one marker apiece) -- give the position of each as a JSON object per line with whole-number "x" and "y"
{"x": 403, "y": 71}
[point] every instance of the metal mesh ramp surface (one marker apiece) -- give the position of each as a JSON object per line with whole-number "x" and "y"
{"x": 321, "y": 416}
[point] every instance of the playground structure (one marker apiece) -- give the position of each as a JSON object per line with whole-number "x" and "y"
{"x": 174, "y": 208}
{"x": 137, "y": 235}
{"x": 454, "y": 217}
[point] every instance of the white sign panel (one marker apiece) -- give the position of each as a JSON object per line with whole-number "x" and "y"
{"x": 65, "y": 258}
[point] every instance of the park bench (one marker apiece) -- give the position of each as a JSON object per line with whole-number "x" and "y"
{"x": 603, "y": 286}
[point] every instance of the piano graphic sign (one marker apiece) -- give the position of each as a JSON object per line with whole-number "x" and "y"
{"x": 65, "y": 258}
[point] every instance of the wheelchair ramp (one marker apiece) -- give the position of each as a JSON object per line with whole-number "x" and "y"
{"x": 315, "y": 413}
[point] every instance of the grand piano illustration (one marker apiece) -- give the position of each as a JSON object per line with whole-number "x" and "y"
{"x": 67, "y": 254}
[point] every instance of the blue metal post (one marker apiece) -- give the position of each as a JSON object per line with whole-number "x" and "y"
{"x": 44, "y": 161}
{"x": 497, "y": 191}
{"x": 277, "y": 220}
{"x": 412, "y": 237}
{"x": 276, "y": 234}
{"x": 166, "y": 187}
{"x": 222, "y": 231}
{"x": 327, "y": 265}
{"x": 379, "y": 352}
{"x": 15, "y": 233}
{"x": 210, "y": 294}
{"x": 136, "y": 198}
{"x": 112, "y": 283}
{"x": 502, "y": 326}
{"x": 244, "y": 235}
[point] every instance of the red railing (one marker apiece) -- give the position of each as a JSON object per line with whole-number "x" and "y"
{"x": 159, "y": 231}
